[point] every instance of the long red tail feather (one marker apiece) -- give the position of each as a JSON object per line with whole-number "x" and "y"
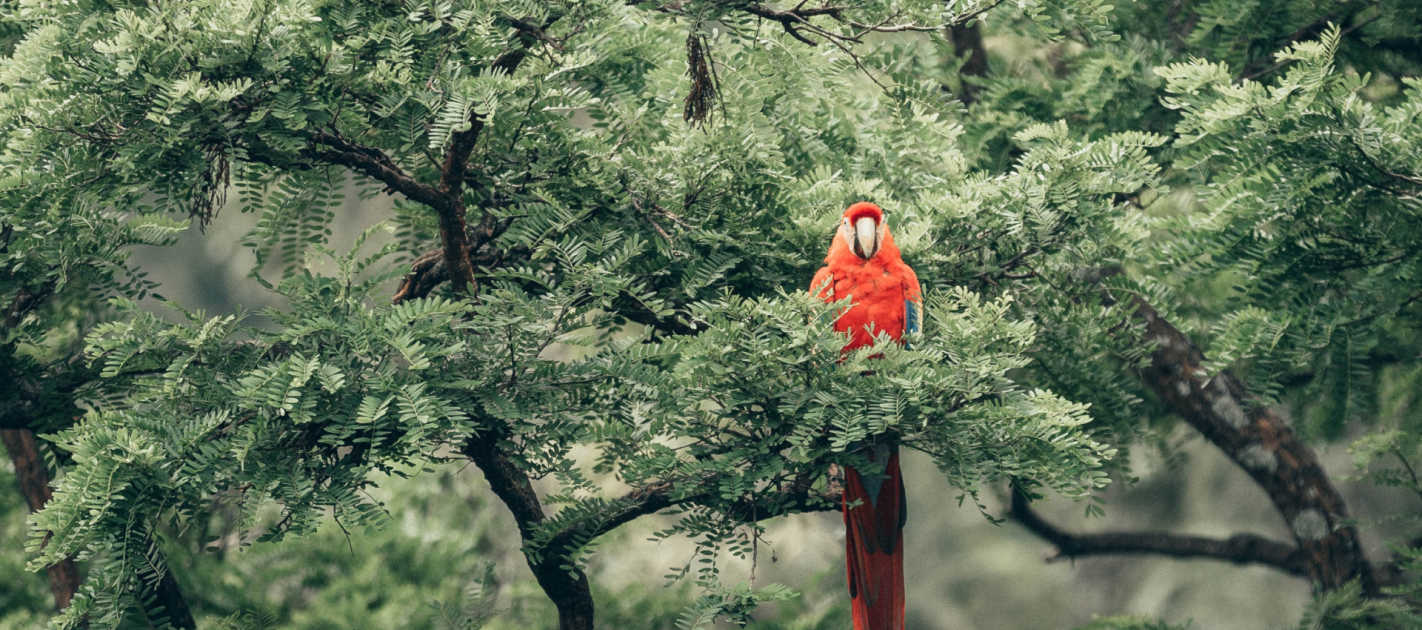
{"x": 875, "y": 511}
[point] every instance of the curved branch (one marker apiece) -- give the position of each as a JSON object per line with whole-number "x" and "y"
{"x": 1239, "y": 548}
{"x": 799, "y": 496}
{"x": 426, "y": 272}
{"x": 335, "y": 149}
{"x": 567, "y": 586}
{"x": 1260, "y": 442}
{"x": 429, "y": 270}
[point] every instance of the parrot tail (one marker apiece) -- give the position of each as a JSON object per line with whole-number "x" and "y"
{"x": 875, "y": 511}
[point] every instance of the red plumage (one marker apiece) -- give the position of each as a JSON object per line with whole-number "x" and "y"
{"x": 882, "y": 290}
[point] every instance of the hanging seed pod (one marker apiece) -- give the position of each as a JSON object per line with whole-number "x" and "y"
{"x": 704, "y": 86}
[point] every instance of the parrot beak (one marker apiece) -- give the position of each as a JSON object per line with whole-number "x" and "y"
{"x": 866, "y": 238}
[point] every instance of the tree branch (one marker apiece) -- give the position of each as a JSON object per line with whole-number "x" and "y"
{"x": 799, "y": 496}
{"x": 797, "y": 17}
{"x": 461, "y": 144}
{"x": 453, "y": 226}
{"x": 1256, "y": 439}
{"x": 54, "y": 399}
{"x": 1239, "y": 548}
{"x": 429, "y": 269}
{"x": 170, "y": 599}
{"x": 551, "y": 559}
{"x": 968, "y": 45}
{"x": 335, "y": 149}
{"x": 34, "y": 480}
{"x": 567, "y": 586}
{"x": 24, "y": 398}
{"x": 445, "y": 200}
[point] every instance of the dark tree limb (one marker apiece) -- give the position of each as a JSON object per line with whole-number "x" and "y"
{"x": 793, "y": 20}
{"x": 798, "y": 18}
{"x": 968, "y": 44}
{"x": 374, "y": 163}
{"x": 426, "y": 272}
{"x": 1239, "y": 548}
{"x": 1256, "y": 439}
{"x": 797, "y": 497}
{"x": 550, "y": 555}
{"x": 26, "y": 299}
{"x": 34, "y": 480}
{"x": 567, "y": 586}
{"x": 1183, "y": 20}
{"x": 461, "y": 144}
{"x": 453, "y": 226}
{"x": 169, "y": 598}
{"x": 445, "y": 200}
{"x": 27, "y": 398}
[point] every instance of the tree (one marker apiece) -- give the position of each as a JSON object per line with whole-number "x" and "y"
{"x": 602, "y": 258}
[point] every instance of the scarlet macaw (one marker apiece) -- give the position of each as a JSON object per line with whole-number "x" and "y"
{"x": 864, "y": 265}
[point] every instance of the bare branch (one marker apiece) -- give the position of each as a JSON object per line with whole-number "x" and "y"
{"x": 1239, "y": 548}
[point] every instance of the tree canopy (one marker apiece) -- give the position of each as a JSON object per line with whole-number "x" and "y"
{"x": 591, "y": 284}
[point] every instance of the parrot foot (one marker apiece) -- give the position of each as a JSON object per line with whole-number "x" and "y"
{"x": 835, "y": 478}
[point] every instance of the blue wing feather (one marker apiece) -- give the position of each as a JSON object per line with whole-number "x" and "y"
{"x": 912, "y": 318}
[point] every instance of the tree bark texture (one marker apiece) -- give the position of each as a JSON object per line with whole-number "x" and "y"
{"x": 1259, "y": 441}
{"x": 34, "y": 480}
{"x": 561, "y": 580}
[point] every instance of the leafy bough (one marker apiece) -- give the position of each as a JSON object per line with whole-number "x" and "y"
{"x": 730, "y": 426}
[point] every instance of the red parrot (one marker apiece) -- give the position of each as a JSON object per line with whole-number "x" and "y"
{"x": 864, "y": 265}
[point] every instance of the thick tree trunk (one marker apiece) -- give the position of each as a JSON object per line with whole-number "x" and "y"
{"x": 34, "y": 481}
{"x": 561, "y": 581}
{"x": 1257, "y": 439}
{"x": 34, "y": 484}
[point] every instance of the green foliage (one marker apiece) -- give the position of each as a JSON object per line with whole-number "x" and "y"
{"x": 641, "y": 321}
{"x": 1347, "y": 609}
{"x": 1318, "y": 263}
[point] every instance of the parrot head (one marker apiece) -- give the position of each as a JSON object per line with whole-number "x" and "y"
{"x": 863, "y": 229}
